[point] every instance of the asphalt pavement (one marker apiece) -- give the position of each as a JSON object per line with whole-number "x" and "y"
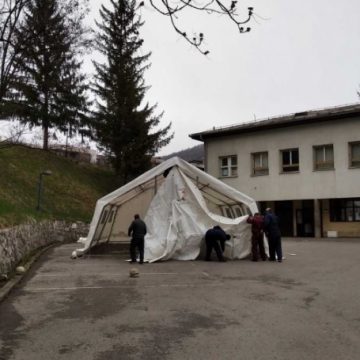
{"x": 307, "y": 307}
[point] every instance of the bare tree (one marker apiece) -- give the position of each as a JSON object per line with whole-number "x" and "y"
{"x": 10, "y": 16}
{"x": 13, "y": 137}
{"x": 227, "y": 8}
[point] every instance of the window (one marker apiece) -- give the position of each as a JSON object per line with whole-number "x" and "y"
{"x": 228, "y": 166}
{"x": 234, "y": 211}
{"x": 347, "y": 210}
{"x": 227, "y": 212}
{"x": 324, "y": 157}
{"x": 111, "y": 216}
{"x": 354, "y": 150}
{"x": 238, "y": 211}
{"x": 290, "y": 160}
{"x": 104, "y": 216}
{"x": 260, "y": 164}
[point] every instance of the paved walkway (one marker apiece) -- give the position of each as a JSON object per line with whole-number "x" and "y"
{"x": 307, "y": 307}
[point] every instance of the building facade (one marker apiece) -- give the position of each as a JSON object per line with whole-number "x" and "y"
{"x": 306, "y": 166}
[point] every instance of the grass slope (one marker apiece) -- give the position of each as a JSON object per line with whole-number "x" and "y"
{"x": 70, "y": 193}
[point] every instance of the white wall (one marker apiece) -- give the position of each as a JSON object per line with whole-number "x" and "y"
{"x": 307, "y": 184}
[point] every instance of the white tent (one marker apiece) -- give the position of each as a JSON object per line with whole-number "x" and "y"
{"x": 178, "y": 203}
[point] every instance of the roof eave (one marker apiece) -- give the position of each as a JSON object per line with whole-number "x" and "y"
{"x": 274, "y": 124}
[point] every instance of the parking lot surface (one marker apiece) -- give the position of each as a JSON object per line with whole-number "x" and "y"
{"x": 307, "y": 307}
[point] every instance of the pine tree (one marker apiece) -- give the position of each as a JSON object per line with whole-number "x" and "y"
{"x": 49, "y": 90}
{"x": 124, "y": 125}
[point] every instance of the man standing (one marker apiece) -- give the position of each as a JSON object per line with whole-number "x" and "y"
{"x": 257, "y": 240}
{"x": 272, "y": 231}
{"x": 137, "y": 231}
{"x": 215, "y": 238}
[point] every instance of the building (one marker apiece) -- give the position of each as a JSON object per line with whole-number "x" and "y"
{"x": 306, "y": 166}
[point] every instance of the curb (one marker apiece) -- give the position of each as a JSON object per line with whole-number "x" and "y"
{"x": 10, "y": 284}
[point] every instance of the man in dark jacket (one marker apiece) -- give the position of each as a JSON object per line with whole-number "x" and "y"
{"x": 215, "y": 239}
{"x": 257, "y": 239}
{"x": 272, "y": 231}
{"x": 137, "y": 231}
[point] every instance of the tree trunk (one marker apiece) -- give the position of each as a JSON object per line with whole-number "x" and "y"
{"x": 45, "y": 137}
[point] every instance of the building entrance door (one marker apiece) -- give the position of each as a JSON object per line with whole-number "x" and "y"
{"x": 284, "y": 210}
{"x": 305, "y": 221}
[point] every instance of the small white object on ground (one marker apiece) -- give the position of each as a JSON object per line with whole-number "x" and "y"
{"x": 74, "y": 254}
{"x": 20, "y": 270}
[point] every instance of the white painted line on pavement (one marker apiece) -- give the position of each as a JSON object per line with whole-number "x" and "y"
{"x": 30, "y": 289}
{"x": 121, "y": 274}
{"x": 105, "y": 274}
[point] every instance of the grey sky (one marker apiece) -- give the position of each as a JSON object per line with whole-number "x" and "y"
{"x": 305, "y": 56}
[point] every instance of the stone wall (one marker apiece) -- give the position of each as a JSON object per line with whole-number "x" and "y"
{"x": 18, "y": 242}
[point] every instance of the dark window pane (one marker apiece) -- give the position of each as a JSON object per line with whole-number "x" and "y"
{"x": 286, "y": 157}
{"x": 224, "y": 161}
{"x": 295, "y": 156}
{"x": 104, "y": 216}
{"x": 344, "y": 210}
{"x": 357, "y": 214}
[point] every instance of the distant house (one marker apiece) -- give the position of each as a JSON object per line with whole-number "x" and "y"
{"x": 306, "y": 166}
{"x": 74, "y": 152}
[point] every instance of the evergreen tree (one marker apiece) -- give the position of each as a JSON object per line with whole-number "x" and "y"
{"x": 124, "y": 125}
{"x": 49, "y": 90}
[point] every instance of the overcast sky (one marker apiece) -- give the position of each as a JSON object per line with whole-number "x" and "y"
{"x": 300, "y": 55}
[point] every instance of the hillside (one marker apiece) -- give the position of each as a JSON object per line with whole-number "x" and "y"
{"x": 70, "y": 193}
{"x": 189, "y": 154}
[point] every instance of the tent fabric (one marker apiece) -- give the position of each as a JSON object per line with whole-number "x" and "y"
{"x": 178, "y": 209}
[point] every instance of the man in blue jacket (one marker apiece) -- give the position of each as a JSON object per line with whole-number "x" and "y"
{"x": 272, "y": 231}
{"x": 215, "y": 239}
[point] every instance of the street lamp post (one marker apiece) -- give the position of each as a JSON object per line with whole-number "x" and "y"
{"x": 44, "y": 173}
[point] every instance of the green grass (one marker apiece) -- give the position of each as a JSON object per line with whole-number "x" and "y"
{"x": 70, "y": 193}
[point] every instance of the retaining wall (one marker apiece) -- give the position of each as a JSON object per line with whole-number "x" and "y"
{"x": 19, "y": 241}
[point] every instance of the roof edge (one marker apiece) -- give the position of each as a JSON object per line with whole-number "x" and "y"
{"x": 294, "y": 119}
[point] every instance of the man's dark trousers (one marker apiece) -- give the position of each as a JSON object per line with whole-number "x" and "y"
{"x": 257, "y": 246}
{"x": 137, "y": 243}
{"x": 210, "y": 244}
{"x": 275, "y": 248}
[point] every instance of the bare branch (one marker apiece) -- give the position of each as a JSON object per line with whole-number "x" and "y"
{"x": 10, "y": 15}
{"x": 14, "y": 137}
{"x": 228, "y": 8}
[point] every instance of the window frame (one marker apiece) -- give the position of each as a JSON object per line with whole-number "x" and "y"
{"x": 232, "y": 168}
{"x": 321, "y": 166}
{"x": 340, "y": 211}
{"x": 260, "y": 171}
{"x": 234, "y": 211}
{"x": 351, "y": 159}
{"x": 282, "y": 171}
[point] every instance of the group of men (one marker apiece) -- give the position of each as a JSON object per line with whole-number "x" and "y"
{"x": 215, "y": 238}
{"x": 268, "y": 224}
